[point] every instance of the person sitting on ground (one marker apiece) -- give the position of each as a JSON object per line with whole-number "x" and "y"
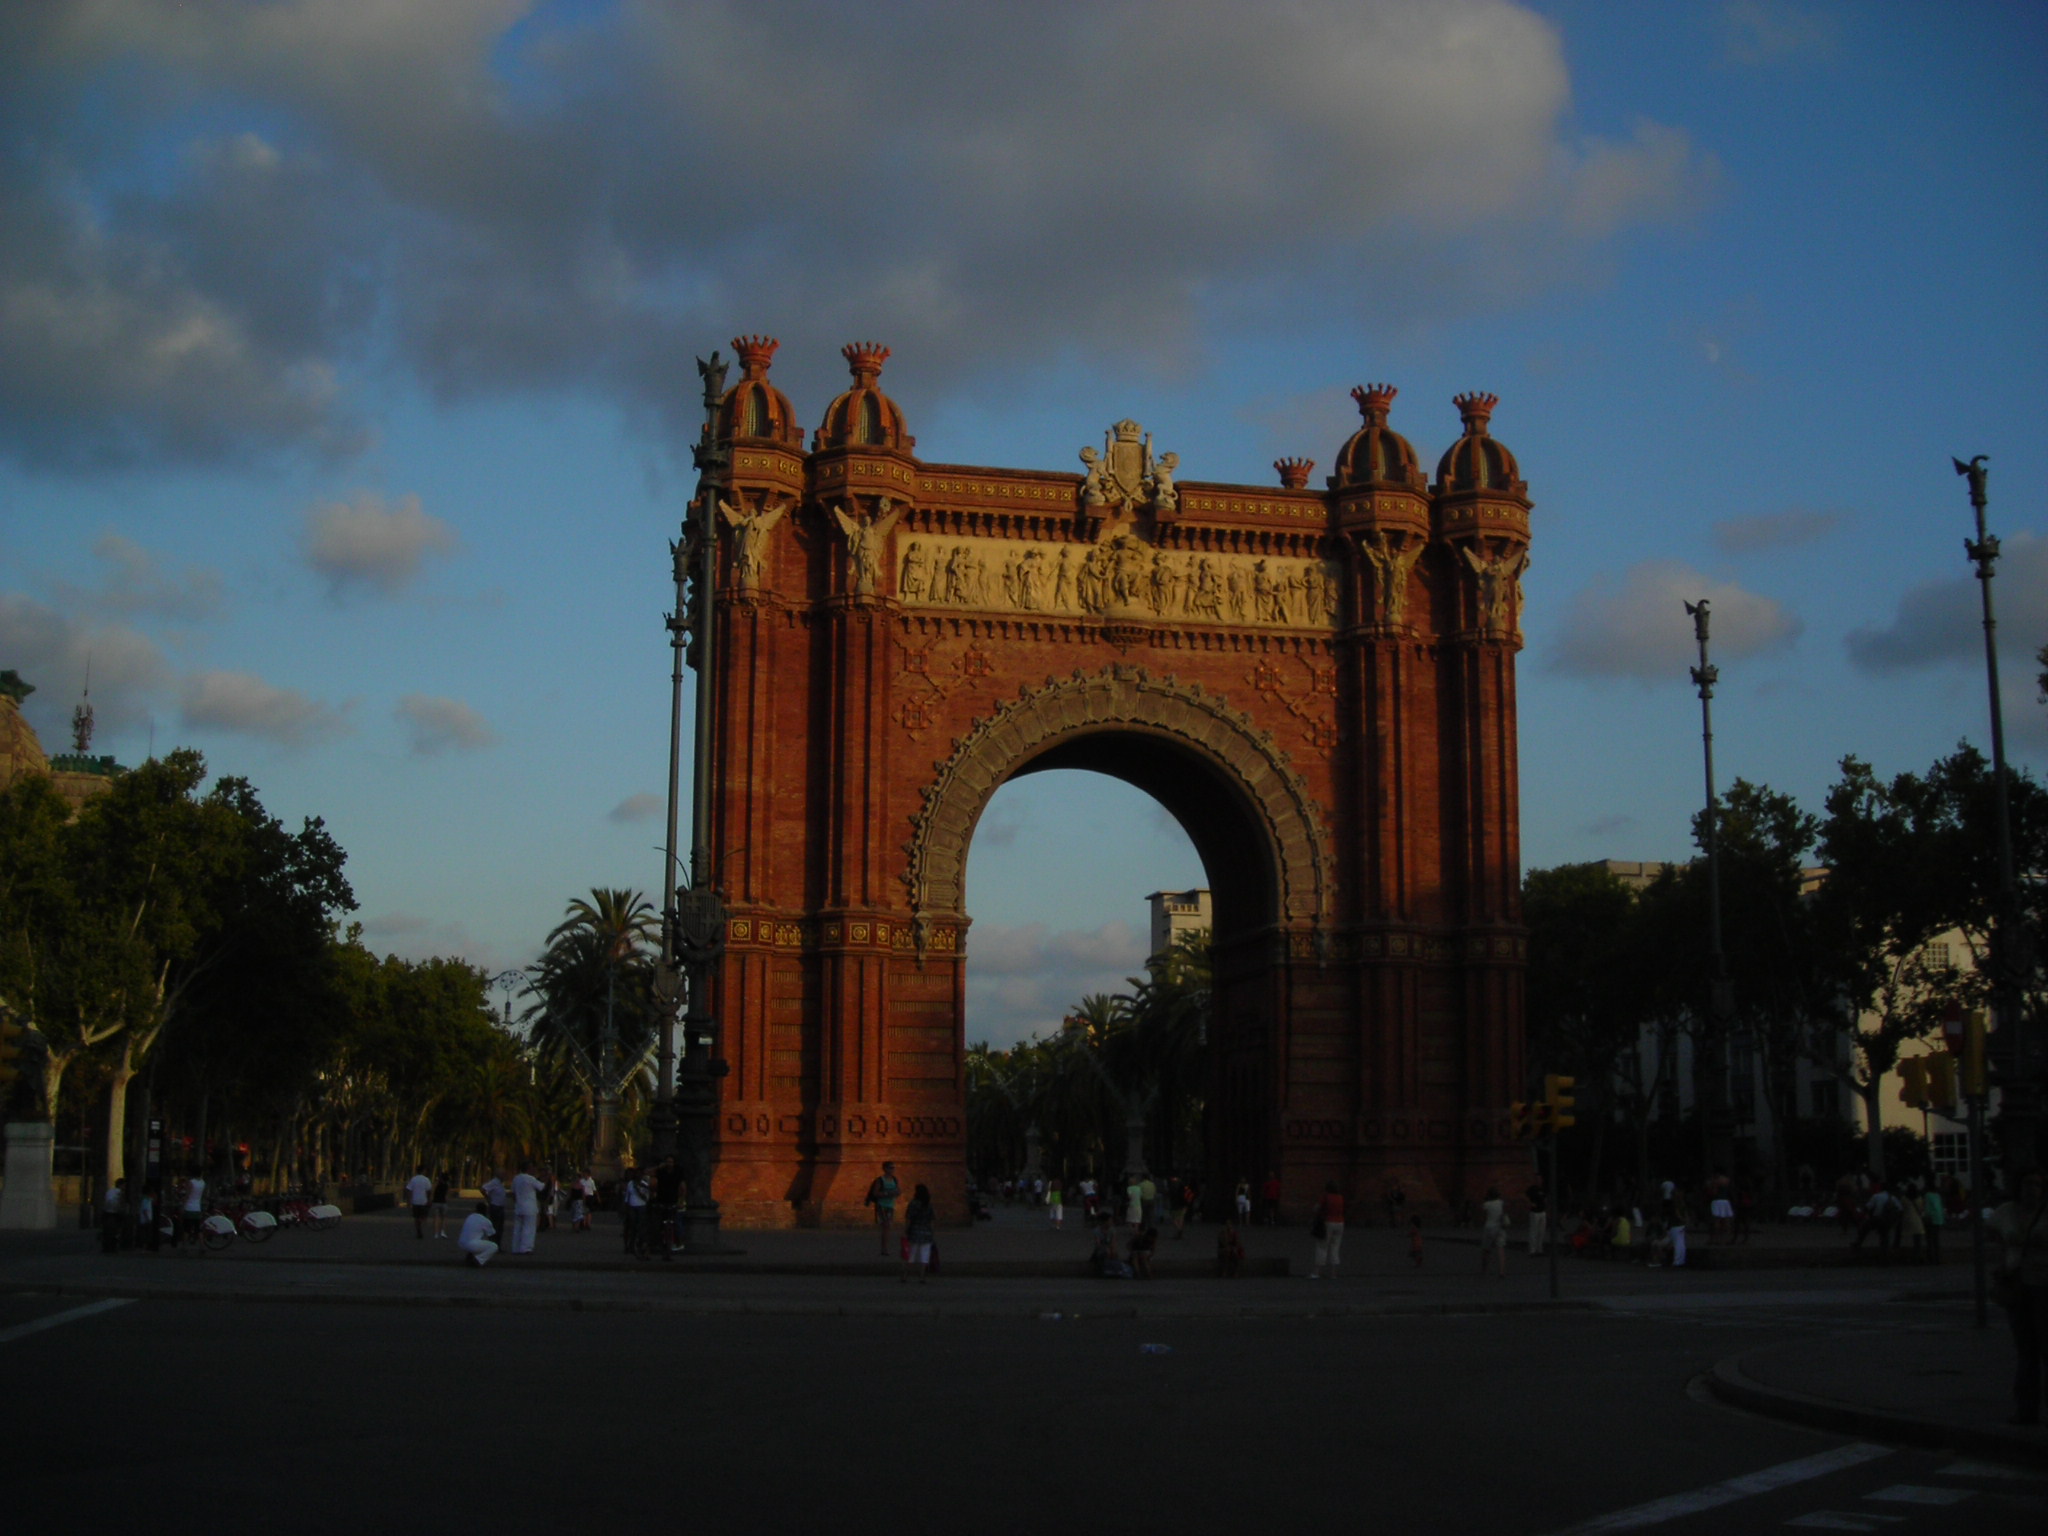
{"x": 1141, "y": 1250}
{"x": 1229, "y": 1251}
{"x": 475, "y": 1237}
{"x": 1104, "y": 1261}
{"x": 1621, "y": 1241}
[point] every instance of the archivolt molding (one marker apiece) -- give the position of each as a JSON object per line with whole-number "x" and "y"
{"x": 1120, "y": 695}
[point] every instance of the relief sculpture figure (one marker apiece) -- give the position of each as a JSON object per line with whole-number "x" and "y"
{"x": 864, "y": 536}
{"x": 1392, "y": 559}
{"x": 910, "y": 583}
{"x": 1499, "y": 576}
{"x": 750, "y": 539}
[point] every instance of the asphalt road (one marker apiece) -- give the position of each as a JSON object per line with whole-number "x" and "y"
{"x": 175, "y": 1416}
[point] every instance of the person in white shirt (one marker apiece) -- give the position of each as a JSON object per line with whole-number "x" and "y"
{"x": 494, "y": 1197}
{"x": 419, "y": 1191}
{"x": 475, "y": 1238}
{"x": 525, "y": 1210}
{"x": 195, "y": 1208}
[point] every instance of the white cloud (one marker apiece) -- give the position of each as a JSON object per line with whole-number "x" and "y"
{"x": 138, "y": 583}
{"x": 244, "y": 703}
{"x": 442, "y": 725}
{"x": 57, "y": 652}
{"x": 411, "y": 937}
{"x": 1942, "y": 621}
{"x": 1022, "y": 981}
{"x": 369, "y": 542}
{"x": 1758, "y": 33}
{"x": 969, "y": 183}
{"x": 640, "y": 807}
{"x": 1636, "y": 625}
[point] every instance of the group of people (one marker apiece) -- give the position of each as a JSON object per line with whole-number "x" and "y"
{"x": 918, "y": 1246}
{"x": 513, "y": 1210}
{"x": 155, "y": 1218}
{"x": 1908, "y": 1216}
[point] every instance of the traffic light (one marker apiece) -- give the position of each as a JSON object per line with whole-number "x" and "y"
{"x": 1542, "y": 1119}
{"x": 1557, "y": 1093}
{"x": 1941, "y": 1083}
{"x": 1518, "y": 1121}
{"x": 1913, "y": 1082}
{"x": 1975, "y": 1083}
{"x": 10, "y": 1047}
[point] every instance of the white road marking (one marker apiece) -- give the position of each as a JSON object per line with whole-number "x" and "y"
{"x": 1988, "y": 1469}
{"x": 1920, "y": 1493}
{"x": 1678, "y": 1505}
{"x": 1835, "y": 1520}
{"x": 56, "y": 1319}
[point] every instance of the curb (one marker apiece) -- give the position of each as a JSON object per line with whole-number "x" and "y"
{"x": 1730, "y": 1383}
{"x": 699, "y": 1306}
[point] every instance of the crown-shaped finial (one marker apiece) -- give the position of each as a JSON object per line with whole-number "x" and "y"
{"x": 865, "y": 358}
{"x": 1475, "y": 408}
{"x": 1294, "y": 472}
{"x": 1374, "y": 401}
{"x": 755, "y": 353}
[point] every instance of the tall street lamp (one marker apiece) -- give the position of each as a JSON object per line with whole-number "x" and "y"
{"x": 1710, "y": 1074}
{"x": 2018, "y": 1072}
{"x": 685, "y": 1113}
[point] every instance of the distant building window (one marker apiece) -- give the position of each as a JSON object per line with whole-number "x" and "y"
{"x": 1827, "y": 1098}
{"x": 1937, "y": 956}
{"x": 1951, "y": 1152}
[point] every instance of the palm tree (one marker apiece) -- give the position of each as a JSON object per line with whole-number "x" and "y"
{"x": 594, "y": 1005}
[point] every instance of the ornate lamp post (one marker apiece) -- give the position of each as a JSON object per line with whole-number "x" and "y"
{"x": 685, "y": 1114}
{"x": 2018, "y": 1070}
{"x": 1710, "y": 1074}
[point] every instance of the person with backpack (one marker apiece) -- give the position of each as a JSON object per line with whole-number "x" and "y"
{"x": 882, "y": 1196}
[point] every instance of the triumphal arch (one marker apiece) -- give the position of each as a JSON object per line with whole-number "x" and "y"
{"x": 1317, "y": 682}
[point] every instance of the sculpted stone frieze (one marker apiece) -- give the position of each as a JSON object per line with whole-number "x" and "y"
{"x": 1121, "y": 577}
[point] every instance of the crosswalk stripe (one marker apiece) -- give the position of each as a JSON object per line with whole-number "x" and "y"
{"x": 1678, "y": 1505}
{"x": 58, "y": 1319}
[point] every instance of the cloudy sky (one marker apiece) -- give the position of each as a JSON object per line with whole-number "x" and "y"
{"x": 346, "y": 374}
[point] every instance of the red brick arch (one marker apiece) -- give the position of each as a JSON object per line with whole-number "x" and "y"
{"x": 1318, "y": 685}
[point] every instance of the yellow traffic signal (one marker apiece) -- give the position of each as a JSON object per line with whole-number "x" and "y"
{"x": 1558, "y": 1094}
{"x": 1975, "y": 1083}
{"x": 1941, "y": 1082}
{"x": 1913, "y": 1081}
{"x": 10, "y": 1047}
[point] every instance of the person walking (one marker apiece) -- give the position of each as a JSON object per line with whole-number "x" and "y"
{"x": 195, "y": 1209}
{"x": 2022, "y": 1237}
{"x": 525, "y": 1209}
{"x": 882, "y": 1195}
{"x": 1493, "y": 1234}
{"x": 918, "y": 1221}
{"x": 1539, "y": 1219}
{"x": 475, "y": 1238}
{"x": 419, "y": 1194}
{"x": 1134, "y": 1205}
{"x": 1328, "y": 1231}
{"x": 1243, "y": 1201}
{"x": 494, "y": 1200}
{"x": 1934, "y": 1213}
{"x": 668, "y": 1197}
{"x": 1055, "y": 1203}
{"x": 633, "y": 1208}
{"x": 440, "y": 1203}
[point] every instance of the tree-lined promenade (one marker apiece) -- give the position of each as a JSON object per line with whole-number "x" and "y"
{"x": 174, "y": 938}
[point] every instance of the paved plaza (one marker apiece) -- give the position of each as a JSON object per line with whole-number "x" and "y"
{"x": 802, "y": 1381}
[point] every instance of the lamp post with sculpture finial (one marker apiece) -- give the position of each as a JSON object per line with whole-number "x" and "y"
{"x": 2018, "y": 1070}
{"x": 683, "y": 1120}
{"x": 1710, "y": 1076}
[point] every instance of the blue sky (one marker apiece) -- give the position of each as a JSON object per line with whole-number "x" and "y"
{"x": 346, "y": 375}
